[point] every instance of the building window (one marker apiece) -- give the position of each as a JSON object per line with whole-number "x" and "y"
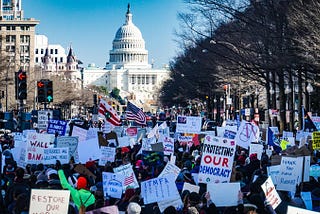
{"x": 37, "y": 60}
{"x": 51, "y": 51}
{"x": 143, "y": 79}
{"x": 41, "y": 51}
{"x": 147, "y": 79}
{"x": 37, "y": 50}
{"x": 139, "y": 79}
{"x": 133, "y": 79}
{"x": 153, "y": 79}
{"x": 55, "y": 51}
{"x": 61, "y": 59}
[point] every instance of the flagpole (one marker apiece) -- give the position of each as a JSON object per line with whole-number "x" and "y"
{"x": 303, "y": 121}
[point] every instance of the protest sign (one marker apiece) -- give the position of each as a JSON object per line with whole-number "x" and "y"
{"x": 132, "y": 131}
{"x": 71, "y": 143}
{"x": 19, "y": 154}
{"x": 112, "y": 184}
{"x": 159, "y": 189}
{"x": 92, "y": 133}
{"x": 80, "y": 133}
{"x": 247, "y": 134}
{"x": 40, "y": 140}
{"x": 51, "y": 155}
{"x": 124, "y": 141}
{"x": 188, "y": 124}
{"x": 256, "y": 148}
{"x": 49, "y": 201}
{"x": 34, "y": 155}
{"x": 177, "y": 203}
{"x": 146, "y": 143}
{"x": 273, "y": 172}
{"x": 151, "y": 158}
{"x": 109, "y": 209}
{"x": 185, "y": 139}
{"x": 81, "y": 169}
{"x": 220, "y": 131}
{"x": 108, "y": 154}
{"x": 170, "y": 168}
{"x": 290, "y": 171}
{"x": 43, "y": 117}
{"x": 85, "y": 154}
{"x": 168, "y": 146}
{"x": 190, "y": 187}
{"x": 216, "y": 160}
{"x": 224, "y": 194}
{"x": 130, "y": 178}
{"x": 57, "y": 126}
{"x": 297, "y": 210}
{"x": 316, "y": 140}
{"x": 272, "y": 196}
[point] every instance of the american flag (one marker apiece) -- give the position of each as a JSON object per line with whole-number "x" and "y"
{"x": 105, "y": 108}
{"x": 129, "y": 180}
{"x": 136, "y": 114}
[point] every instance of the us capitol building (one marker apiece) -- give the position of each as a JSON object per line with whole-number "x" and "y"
{"x": 128, "y": 68}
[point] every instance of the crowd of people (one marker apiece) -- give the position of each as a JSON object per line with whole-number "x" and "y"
{"x": 87, "y": 193}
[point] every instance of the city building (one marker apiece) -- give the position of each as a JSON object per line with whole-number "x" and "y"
{"x": 16, "y": 48}
{"x": 128, "y": 68}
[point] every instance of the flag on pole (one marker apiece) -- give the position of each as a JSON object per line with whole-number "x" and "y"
{"x": 106, "y": 111}
{"x": 136, "y": 114}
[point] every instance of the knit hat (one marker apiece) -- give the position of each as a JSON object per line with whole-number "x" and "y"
{"x": 133, "y": 208}
{"x": 82, "y": 183}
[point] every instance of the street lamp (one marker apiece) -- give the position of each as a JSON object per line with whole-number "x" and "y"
{"x": 309, "y": 90}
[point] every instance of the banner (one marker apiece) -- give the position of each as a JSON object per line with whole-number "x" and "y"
{"x": 57, "y": 126}
{"x": 272, "y": 196}
{"x": 108, "y": 154}
{"x": 49, "y": 201}
{"x": 188, "y": 124}
{"x": 159, "y": 189}
{"x": 216, "y": 160}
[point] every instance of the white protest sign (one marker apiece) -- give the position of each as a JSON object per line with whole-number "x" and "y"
{"x": 272, "y": 196}
{"x": 109, "y": 209}
{"x": 93, "y": 153}
{"x": 190, "y": 187}
{"x": 40, "y": 140}
{"x": 159, "y": 189}
{"x": 273, "y": 172}
{"x": 170, "y": 168}
{"x": 177, "y": 203}
{"x": 19, "y": 154}
{"x": 296, "y": 210}
{"x": 220, "y": 131}
{"x": 168, "y": 145}
{"x": 224, "y": 194}
{"x": 50, "y": 155}
{"x": 290, "y": 173}
{"x": 146, "y": 143}
{"x": 216, "y": 160}
{"x": 80, "y": 133}
{"x": 49, "y": 201}
{"x": 286, "y": 134}
{"x": 130, "y": 177}
{"x": 71, "y": 143}
{"x": 256, "y": 148}
{"x": 247, "y": 134}
{"x": 188, "y": 124}
{"x": 34, "y": 155}
{"x": 92, "y": 133}
{"x": 113, "y": 184}
{"x": 43, "y": 119}
{"x": 124, "y": 141}
{"x": 108, "y": 154}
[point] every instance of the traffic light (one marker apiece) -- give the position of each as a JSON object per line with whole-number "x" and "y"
{"x": 41, "y": 91}
{"x": 21, "y": 85}
{"x": 49, "y": 95}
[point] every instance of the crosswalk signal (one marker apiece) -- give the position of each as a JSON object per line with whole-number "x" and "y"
{"x": 21, "y": 85}
{"x": 41, "y": 91}
{"x": 49, "y": 95}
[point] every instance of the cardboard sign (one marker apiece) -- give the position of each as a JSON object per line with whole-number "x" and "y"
{"x": 224, "y": 194}
{"x": 159, "y": 189}
{"x": 49, "y": 201}
{"x": 81, "y": 169}
{"x": 188, "y": 124}
{"x": 108, "y": 154}
{"x": 216, "y": 160}
{"x": 57, "y": 126}
{"x": 271, "y": 194}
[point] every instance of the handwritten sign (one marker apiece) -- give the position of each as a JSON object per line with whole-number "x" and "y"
{"x": 273, "y": 173}
{"x": 290, "y": 172}
{"x": 80, "y": 133}
{"x": 188, "y": 124}
{"x": 271, "y": 194}
{"x": 40, "y": 140}
{"x": 316, "y": 140}
{"x": 172, "y": 169}
{"x": 49, "y": 201}
{"x": 36, "y": 155}
{"x": 71, "y": 143}
{"x": 113, "y": 184}
{"x": 217, "y": 160}
{"x": 107, "y": 155}
{"x": 57, "y": 126}
{"x": 43, "y": 119}
{"x": 159, "y": 189}
{"x": 168, "y": 146}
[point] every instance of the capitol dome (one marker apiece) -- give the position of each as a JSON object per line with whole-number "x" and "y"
{"x": 128, "y": 46}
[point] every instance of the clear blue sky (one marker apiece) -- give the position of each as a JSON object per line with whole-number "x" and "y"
{"x": 90, "y": 25}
